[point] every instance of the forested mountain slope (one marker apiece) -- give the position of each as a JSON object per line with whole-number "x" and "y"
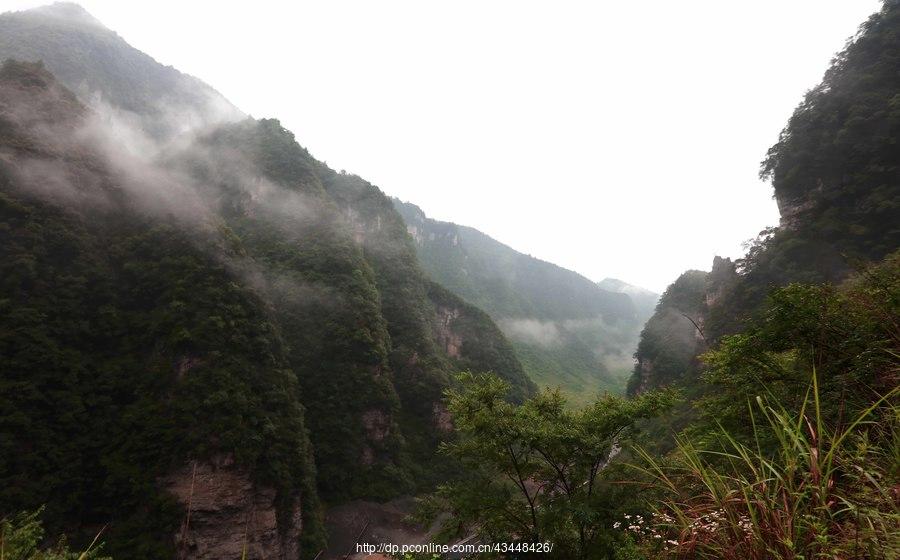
{"x": 199, "y": 326}
{"x": 835, "y": 173}
{"x": 566, "y": 330}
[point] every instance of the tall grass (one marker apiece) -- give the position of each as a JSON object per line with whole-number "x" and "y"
{"x": 821, "y": 493}
{"x": 22, "y": 538}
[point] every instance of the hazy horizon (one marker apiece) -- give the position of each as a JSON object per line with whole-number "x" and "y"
{"x": 620, "y": 140}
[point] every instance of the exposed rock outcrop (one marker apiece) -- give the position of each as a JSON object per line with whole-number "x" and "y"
{"x": 377, "y": 424}
{"x": 793, "y": 209}
{"x": 442, "y": 417}
{"x": 447, "y": 338}
{"x": 722, "y": 278}
{"x": 228, "y": 516}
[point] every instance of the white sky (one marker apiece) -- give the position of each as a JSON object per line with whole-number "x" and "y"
{"x": 615, "y": 138}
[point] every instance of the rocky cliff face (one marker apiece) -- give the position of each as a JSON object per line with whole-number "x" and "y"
{"x": 227, "y": 515}
{"x": 447, "y": 338}
{"x": 673, "y": 336}
{"x": 793, "y": 209}
{"x": 473, "y": 342}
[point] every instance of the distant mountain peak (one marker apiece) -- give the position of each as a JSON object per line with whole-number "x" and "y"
{"x": 68, "y": 11}
{"x": 613, "y": 284}
{"x": 616, "y": 285}
{"x": 101, "y": 68}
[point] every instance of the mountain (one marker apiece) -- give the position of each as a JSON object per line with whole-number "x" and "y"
{"x": 567, "y": 330}
{"x": 101, "y": 68}
{"x": 201, "y": 324}
{"x": 835, "y": 174}
{"x": 643, "y": 299}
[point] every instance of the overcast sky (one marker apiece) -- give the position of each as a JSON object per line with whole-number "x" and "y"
{"x": 614, "y": 138}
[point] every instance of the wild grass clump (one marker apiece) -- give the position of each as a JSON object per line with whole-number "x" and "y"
{"x": 821, "y": 493}
{"x": 22, "y": 538}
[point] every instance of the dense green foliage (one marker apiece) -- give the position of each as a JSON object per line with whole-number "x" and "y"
{"x": 322, "y": 291}
{"x": 847, "y": 334}
{"x": 535, "y": 472}
{"x": 422, "y": 371}
{"x": 128, "y": 347}
{"x": 835, "y": 174}
{"x": 768, "y": 467}
{"x": 566, "y": 330}
{"x": 233, "y": 298}
{"x": 22, "y": 538}
{"x": 837, "y": 157}
{"x": 836, "y": 178}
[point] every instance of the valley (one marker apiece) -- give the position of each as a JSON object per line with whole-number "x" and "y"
{"x": 215, "y": 346}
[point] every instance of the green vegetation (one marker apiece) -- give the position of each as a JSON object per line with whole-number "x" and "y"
{"x": 268, "y": 323}
{"x": 834, "y": 168}
{"x": 835, "y": 175}
{"x": 238, "y": 303}
{"x": 535, "y": 472}
{"x": 483, "y": 348}
{"x": 567, "y": 331}
{"x": 848, "y": 334}
{"x": 146, "y": 344}
{"x": 766, "y": 466}
{"x": 323, "y": 294}
{"x": 834, "y": 172}
{"x": 671, "y": 338}
{"x": 825, "y": 491}
{"x": 762, "y": 465}
{"x": 22, "y": 538}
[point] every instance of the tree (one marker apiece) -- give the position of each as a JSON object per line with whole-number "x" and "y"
{"x": 532, "y": 473}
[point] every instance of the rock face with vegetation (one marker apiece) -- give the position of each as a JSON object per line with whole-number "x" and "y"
{"x": 673, "y": 336}
{"x": 201, "y": 324}
{"x": 218, "y": 497}
{"x": 566, "y": 330}
{"x": 836, "y": 178}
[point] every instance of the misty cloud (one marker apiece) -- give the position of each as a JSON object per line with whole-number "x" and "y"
{"x": 532, "y": 331}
